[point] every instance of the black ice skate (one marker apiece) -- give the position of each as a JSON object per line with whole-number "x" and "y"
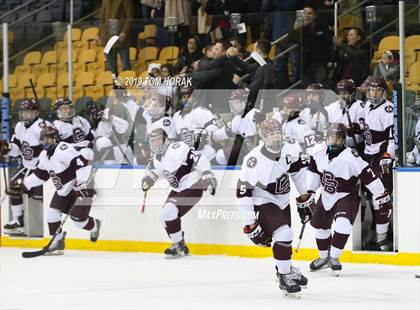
{"x": 94, "y": 235}
{"x": 299, "y": 278}
{"x": 177, "y": 250}
{"x": 57, "y": 247}
{"x": 15, "y": 227}
{"x": 319, "y": 264}
{"x": 335, "y": 266}
{"x": 383, "y": 242}
{"x": 288, "y": 285}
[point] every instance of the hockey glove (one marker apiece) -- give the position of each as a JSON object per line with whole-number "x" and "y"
{"x": 200, "y": 138}
{"x": 4, "y": 147}
{"x": 83, "y": 191}
{"x": 16, "y": 188}
{"x": 209, "y": 180}
{"x": 386, "y": 164}
{"x": 382, "y": 208}
{"x": 148, "y": 181}
{"x": 305, "y": 205}
{"x": 257, "y": 235}
{"x": 259, "y": 117}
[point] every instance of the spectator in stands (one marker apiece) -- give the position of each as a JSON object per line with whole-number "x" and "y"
{"x": 181, "y": 9}
{"x": 316, "y": 46}
{"x": 153, "y": 70}
{"x": 243, "y": 53}
{"x": 116, "y": 19}
{"x": 191, "y": 52}
{"x": 353, "y": 59}
{"x": 167, "y": 70}
{"x": 387, "y": 68}
{"x": 208, "y": 56}
{"x": 264, "y": 76}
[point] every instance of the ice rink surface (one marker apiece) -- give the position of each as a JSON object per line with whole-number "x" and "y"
{"x": 114, "y": 280}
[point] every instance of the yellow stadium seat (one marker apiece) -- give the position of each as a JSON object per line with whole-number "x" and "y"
{"x": 149, "y": 34}
{"x": 388, "y": 43}
{"x": 133, "y": 53}
{"x": 412, "y": 50}
{"x": 30, "y": 59}
{"x": 76, "y": 36}
{"x": 103, "y": 82}
{"x": 49, "y": 58}
{"x": 22, "y": 69}
{"x": 12, "y": 80}
{"x": 413, "y": 80}
{"x": 80, "y": 46}
{"x": 39, "y": 69}
{"x": 169, "y": 54}
{"x": 16, "y": 93}
{"x": 64, "y": 57}
{"x": 24, "y": 83}
{"x": 83, "y": 80}
{"x": 62, "y": 85}
{"x": 89, "y": 35}
{"x": 138, "y": 66}
{"x": 148, "y": 54}
{"x": 100, "y": 56}
{"x": 44, "y": 82}
{"x": 96, "y": 67}
{"x": 85, "y": 57}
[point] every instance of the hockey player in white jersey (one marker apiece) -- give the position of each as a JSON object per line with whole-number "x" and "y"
{"x": 315, "y": 115}
{"x": 293, "y": 125}
{"x": 69, "y": 170}
{"x": 413, "y": 157}
{"x": 263, "y": 188}
{"x": 25, "y": 143}
{"x": 72, "y": 128}
{"x": 380, "y": 146}
{"x": 195, "y": 125}
{"x": 105, "y": 126}
{"x": 243, "y": 128}
{"x": 350, "y": 112}
{"x": 188, "y": 173}
{"x": 156, "y": 116}
{"x": 337, "y": 170}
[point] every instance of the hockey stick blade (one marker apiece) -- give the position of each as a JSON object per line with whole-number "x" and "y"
{"x": 34, "y": 253}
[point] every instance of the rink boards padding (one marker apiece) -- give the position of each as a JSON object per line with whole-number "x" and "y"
{"x": 213, "y": 226}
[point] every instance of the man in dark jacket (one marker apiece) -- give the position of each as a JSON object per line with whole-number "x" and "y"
{"x": 264, "y": 76}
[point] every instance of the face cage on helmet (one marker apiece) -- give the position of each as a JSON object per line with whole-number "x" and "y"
{"x": 156, "y": 148}
{"x": 237, "y": 106}
{"x": 63, "y": 117}
{"x": 373, "y": 99}
{"x": 335, "y": 142}
{"x": 155, "y": 109}
{"x": 27, "y": 121}
{"x": 273, "y": 141}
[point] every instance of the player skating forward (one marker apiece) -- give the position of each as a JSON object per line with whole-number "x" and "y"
{"x": 72, "y": 128}
{"x": 194, "y": 125}
{"x": 26, "y": 143}
{"x": 380, "y": 147}
{"x": 69, "y": 170}
{"x": 243, "y": 128}
{"x": 188, "y": 174}
{"x": 263, "y": 188}
{"x": 293, "y": 125}
{"x": 337, "y": 170}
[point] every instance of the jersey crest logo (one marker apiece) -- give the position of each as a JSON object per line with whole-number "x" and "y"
{"x": 329, "y": 182}
{"x": 290, "y": 140}
{"x": 389, "y": 109}
{"x": 166, "y": 122}
{"x": 301, "y": 121}
{"x": 27, "y": 151}
{"x": 187, "y": 137}
{"x": 282, "y": 185}
{"x": 172, "y": 180}
{"x": 176, "y": 145}
{"x": 41, "y": 124}
{"x": 354, "y": 152}
{"x": 56, "y": 180}
{"x": 78, "y": 135}
{"x": 251, "y": 162}
{"x": 63, "y": 147}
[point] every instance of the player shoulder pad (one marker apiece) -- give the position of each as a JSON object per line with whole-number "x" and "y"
{"x": 65, "y": 151}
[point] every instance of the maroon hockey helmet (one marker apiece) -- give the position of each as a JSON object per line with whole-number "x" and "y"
{"x": 237, "y": 101}
{"x": 28, "y": 111}
{"x": 292, "y": 103}
{"x": 49, "y": 137}
{"x": 158, "y": 141}
{"x": 313, "y": 91}
{"x": 336, "y": 136}
{"x": 377, "y": 90}
{"x": 271, "y": 133}
{"x": 65, "y": 109}
{"x": 346, "y": 85}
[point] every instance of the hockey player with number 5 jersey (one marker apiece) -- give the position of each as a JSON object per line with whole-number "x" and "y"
{"x": 188, "y": 173}
{"x": 337, "y": 170}
{"x": 263, "y": 189}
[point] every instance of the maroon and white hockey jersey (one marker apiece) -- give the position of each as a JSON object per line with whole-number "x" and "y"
{"x": 265, "y": 178}
{"x": 77, "y": 131}
{"x": 181, "y": 166}
{"x": 67, "y": 167}
{"x": 297, "y": 128}
{"x": 338, "y": 176}
{"x": 379, "y": 128}
{"x": 26, "y": 142}
{"x": 164, "y": 122}
{"x": 353, "y": 114}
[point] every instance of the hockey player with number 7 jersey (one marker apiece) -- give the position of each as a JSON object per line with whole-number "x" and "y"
{"x": 263, "y": 188}
{"x": 337, "y": 171}
{"x": 188, "y": 173}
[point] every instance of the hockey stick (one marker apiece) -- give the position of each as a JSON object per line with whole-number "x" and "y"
{"x": 300, "y": 237}
{"x": 143, "y": 206}
{"x": 57, "y": 232}
{"x": 351, "y": 127}
{"x": 33, "y": 90}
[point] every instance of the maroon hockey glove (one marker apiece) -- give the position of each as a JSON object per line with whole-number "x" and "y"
{"x": 209, "y": 180}
{"x": 16, "y": 188}
{"x": 83, "y": 191}
{"x": 257, "y": 235}
{"x": 382, "y": 206}
{"x": 4, "y": 147}
{"x": 148, "y": 181}
{"x": 305, "y": 205}
{"x": 259, "y": 117}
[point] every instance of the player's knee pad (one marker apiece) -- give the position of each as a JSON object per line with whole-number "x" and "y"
{"x": 169, "y": 212}
{"x": 322, "y": 233}
{"x": 283, "y": 234}
{"x": 221, "y": 158}
{"x": 78, "y": 223}
{"x": 53, "y": 215}
{"x": 343, "y": 226}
